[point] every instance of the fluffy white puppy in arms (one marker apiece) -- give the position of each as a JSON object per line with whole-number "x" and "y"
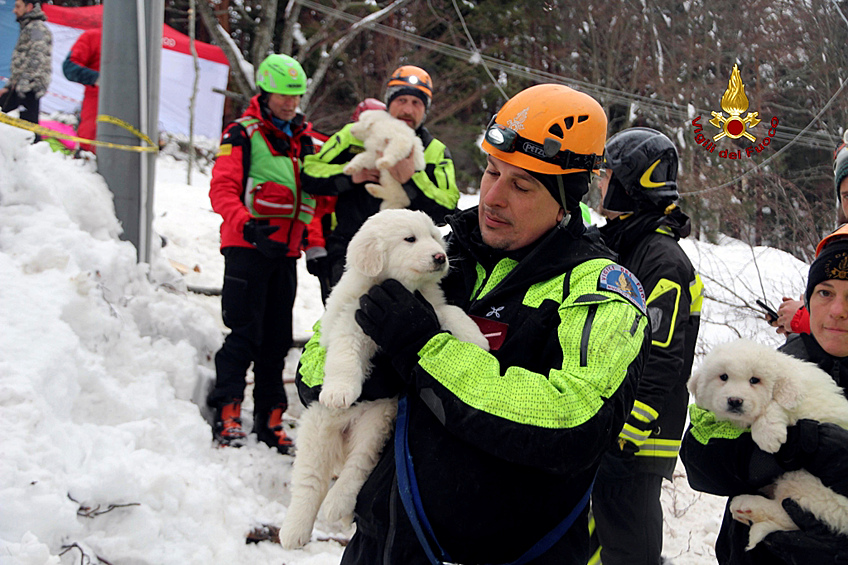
{"x": 336, "y": 436}
{"x": 754, "y": 386}
{"x": 387, "y": 141}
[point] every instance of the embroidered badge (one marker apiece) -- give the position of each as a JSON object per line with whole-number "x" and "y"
{"x": 617, "y": 279}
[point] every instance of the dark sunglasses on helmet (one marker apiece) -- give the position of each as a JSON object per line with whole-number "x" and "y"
{"x": 508, "y": 140}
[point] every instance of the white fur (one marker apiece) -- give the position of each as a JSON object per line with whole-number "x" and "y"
{"x": 387, "y": 141}
{"x": 752, "y": 385}
{"x": 333, "y": 436}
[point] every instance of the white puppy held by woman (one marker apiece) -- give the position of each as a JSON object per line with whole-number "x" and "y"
{"x": 752, "y": 385}
{"x": 336, "y": 436}
{"x": 387, "y": 141}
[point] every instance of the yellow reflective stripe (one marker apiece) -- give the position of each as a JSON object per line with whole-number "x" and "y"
{"x": 596, "y": 558}
{"x": 696, "y": 291}
{"x": 643, "y": 412}
{"x": 667, "y": 448}
{"x": 664, "y": 286}
{"x": 633, "y": 434}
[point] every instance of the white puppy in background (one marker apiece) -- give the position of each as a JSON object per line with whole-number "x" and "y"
{"x": 387, "y": 141}
{"x": 752, "y": 385}
{"x": 336, "y": 436}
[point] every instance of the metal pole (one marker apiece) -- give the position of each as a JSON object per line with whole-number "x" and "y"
{"x": 129, "y": 91}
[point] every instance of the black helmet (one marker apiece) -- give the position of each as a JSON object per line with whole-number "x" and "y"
{"x": 643, "y": 162}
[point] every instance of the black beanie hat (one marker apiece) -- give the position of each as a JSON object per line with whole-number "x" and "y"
{"x": 832, "y": 263}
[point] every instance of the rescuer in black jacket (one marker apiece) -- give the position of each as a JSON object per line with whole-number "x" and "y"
{"x": 504, "y": 444}
{"x": 644, "y": 225}
{"x": 725, "y": 463}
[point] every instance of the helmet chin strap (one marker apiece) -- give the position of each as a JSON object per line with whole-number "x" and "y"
{"x": 566, "y": 217}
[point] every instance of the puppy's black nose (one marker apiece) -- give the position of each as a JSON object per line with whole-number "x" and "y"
{"x": 734, "y": 404}
{"x": 440, "y": 258}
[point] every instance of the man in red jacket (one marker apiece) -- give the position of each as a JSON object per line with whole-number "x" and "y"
{"x": 82, "y": 65}
{"x": 256, "y": 189}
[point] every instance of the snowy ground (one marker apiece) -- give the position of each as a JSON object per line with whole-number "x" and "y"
{"x": 105, "y": 454}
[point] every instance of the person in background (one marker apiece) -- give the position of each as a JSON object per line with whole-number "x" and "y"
{"x": 82, "y": 65}
{"x": 256, "y": 189}
{"x": 317, "y": 261}
{"x": 409, "y": 92}
{"x": 792, "y": 316}
{"x": 723, "y": 460}
{"x": 30, "y": 67}
{"x": 638, "y": 193}
{"x": 494, "y": 453}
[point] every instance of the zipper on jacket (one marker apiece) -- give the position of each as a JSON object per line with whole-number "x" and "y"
{"x": 587, "y": 331}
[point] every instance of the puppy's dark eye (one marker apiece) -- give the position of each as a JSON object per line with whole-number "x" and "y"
{"x": 723, "y": 376}
{"x": 754, "y": 380}
{"x": 410, "y": 239}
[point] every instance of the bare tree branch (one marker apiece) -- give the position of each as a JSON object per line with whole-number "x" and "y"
{"x": 340, "y": 45}
{"x": 240, "y": 70}
{"x": 262, "y": 41}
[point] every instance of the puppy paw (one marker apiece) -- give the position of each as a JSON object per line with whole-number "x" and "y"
{"x": 294, "y": 538}
{"x": 768, "y": 438}
{"x": 340, "y": 395}
{"x": 741, "y": 509}
{"x": 350, "y": 168}
{"x": 375, "y": 190}
{"x": 338, "y": 510}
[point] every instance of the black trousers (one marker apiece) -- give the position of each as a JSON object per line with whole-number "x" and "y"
{"x": 12, "y": 100}
{"x": 256, "y": 304}
{"x": 628, "y": 514}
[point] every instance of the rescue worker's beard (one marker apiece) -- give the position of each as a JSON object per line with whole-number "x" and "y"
{"x": 415, "y": 125}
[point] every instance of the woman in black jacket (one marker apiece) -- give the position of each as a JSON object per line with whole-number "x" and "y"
{"x": 728, "y": 467}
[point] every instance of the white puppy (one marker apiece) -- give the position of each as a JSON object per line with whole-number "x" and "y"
{"x": 387, "y": 141}
{"x": 752, "y": 385}
{"x": 333, "y": 436}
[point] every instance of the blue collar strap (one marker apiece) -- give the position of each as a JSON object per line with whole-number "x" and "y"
{"x": 411, "y": 498}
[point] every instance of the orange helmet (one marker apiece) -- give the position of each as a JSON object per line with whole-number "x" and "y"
{"x": 840, "y": 233}
{"x": 549, "y": 129}
{"x": 412, "y": 80}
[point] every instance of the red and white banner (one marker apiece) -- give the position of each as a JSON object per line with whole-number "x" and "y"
{"x": 176, "y": 79}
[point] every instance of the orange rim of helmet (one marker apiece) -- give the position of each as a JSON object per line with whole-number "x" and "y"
{"x": 557, "y": 130}
{"x": 840, "y": 233}
{"x": 412, "y": 76}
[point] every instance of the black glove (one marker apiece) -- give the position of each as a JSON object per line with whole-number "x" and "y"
{"x": 258, "y": 232}
{"x": 319, "y": 267}
{"x": 813, "y": 543}
{"x": 399, "y": 322}
{"x": 802, "y": 440}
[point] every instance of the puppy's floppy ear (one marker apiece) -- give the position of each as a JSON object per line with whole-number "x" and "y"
{"x": 366, "y": 252}
{"x": 786, "y": 393}
{"x": 694, "y": 384}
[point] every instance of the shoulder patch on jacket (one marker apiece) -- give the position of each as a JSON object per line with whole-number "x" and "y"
{"x": 225, "y": 150}
{"x": 616, "y": 278}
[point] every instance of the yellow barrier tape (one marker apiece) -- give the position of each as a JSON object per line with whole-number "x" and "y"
{"x": 47, "y": 132}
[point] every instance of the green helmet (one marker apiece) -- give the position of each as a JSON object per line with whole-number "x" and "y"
{"x": 281, "y": 74}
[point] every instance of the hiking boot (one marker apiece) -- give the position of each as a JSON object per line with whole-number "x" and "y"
{"x": 227, "y": 428}
{"x": 272, "y": 433}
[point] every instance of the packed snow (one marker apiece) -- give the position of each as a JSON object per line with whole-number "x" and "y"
{"x": 103, "y": 363}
